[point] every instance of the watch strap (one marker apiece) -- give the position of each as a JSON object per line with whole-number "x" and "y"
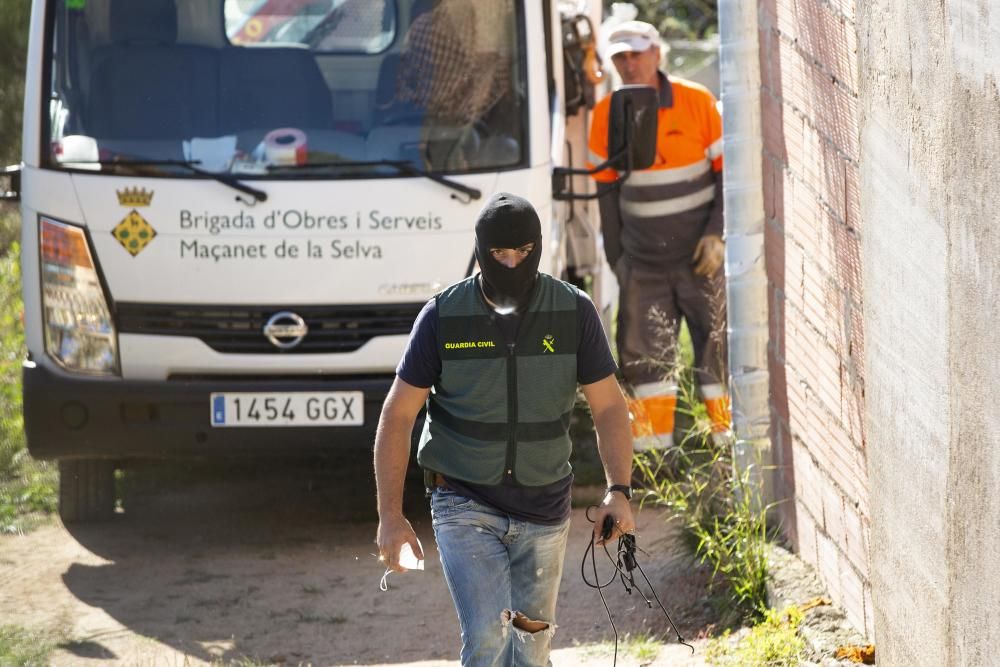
{"x": 625, "y": 490}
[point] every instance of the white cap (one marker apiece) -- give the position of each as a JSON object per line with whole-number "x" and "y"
{"x": 632, "y": 36}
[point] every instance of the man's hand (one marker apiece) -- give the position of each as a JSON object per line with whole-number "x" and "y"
{"x": 709, "y": 255}
{"x": 614, "y": 444}
{"x": 393, "y": 533}
{"x": 617, "y": 505}
{"x": 392, "y": 454}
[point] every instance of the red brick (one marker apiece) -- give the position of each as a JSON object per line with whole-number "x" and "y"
{"x": 777, "y": 361}
{"x": 827, "y": 38}
{"x": 806, "y": 529}
{"x": 833, "y": 515}
{"x": 830, "y": 108}
{"x": 830, "y": 443}
{"x": 813, "y": 360}
{"x": 835, "y": 181}
{"x": 791, "y": 131}
{"x": 807, "y": 482}
{"x": 829, "y": 446}
{"x": 828, "y": 565}
{"x": 817, "y": 409}
{"x": 776, "y": 328}
{"x": 768, "y": 13}
{"x": 784, "y": 461}
{"x": 853, "y": 198}
{"x": 768, "y": 185}
{"x": 848, "y": 475}
{"x": 768, "y": 54}
{"x": 785, "y": 16}
{"x": 856, "y": 546}
{"x": 773, "y": 126}
{"x": 852, "y": 587}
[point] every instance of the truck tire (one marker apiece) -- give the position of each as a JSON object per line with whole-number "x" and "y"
{"x": 86, "y": 490}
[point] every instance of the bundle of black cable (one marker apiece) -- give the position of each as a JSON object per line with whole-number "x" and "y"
{"x": 625, "y": 564}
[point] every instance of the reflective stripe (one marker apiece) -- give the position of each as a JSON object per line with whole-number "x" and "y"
{"x": 595, "y": 158}
{"x": 654, "y": 389}
{"x": 656, "y": 209}
{"x": 712, "y": 391}
{"x": 668, "y": 176}
{"x": 718, "y": 413}
{"x": 652, "y": 442}
{"x": 715, "y": 150}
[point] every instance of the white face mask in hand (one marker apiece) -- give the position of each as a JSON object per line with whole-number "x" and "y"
{"x": 407, "y": 559}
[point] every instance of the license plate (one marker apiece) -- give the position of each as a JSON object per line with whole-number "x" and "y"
{"x": 328, "y": 408}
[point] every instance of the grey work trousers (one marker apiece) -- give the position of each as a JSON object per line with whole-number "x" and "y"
{"x": 651, "y": 305}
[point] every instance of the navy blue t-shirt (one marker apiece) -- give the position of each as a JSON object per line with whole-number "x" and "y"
{"x": 421, "y": 367}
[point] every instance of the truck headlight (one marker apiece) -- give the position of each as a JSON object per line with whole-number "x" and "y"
{"x": 79, "y": 332}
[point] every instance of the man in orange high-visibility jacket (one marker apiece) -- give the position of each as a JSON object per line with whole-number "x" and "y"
{"x": 662, "y": 235}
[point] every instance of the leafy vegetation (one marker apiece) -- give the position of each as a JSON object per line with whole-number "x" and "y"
{"x": 23, "y": 647}
{"x": 641, "y": 646}
{"x": 28, "y": 488}
{"x": 715, "y": 503}
{"x": 678, "y": 19}
{"x": 14, "y": 15}
{"x": 775, "y": 642}
{"x": 11, "y": 354}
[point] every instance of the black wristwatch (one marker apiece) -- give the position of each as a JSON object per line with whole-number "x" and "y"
{"x": 626, "y": 490}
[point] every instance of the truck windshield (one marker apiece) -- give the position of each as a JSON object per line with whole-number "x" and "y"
{"x": 242, "y": 86}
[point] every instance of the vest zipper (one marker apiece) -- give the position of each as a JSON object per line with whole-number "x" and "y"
{"x": 511, "y": 411}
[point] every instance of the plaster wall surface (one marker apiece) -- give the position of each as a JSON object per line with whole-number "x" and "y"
{"x": 930, "y": 136}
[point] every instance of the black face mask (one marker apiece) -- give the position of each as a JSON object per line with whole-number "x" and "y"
{"x": 508, "y": 221}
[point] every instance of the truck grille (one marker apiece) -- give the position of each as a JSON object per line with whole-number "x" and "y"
{"x": 240, "y": 329}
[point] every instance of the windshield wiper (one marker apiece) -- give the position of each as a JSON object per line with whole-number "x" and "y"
{"x": 258, "y": 195}
{"x": 401, "y": 165}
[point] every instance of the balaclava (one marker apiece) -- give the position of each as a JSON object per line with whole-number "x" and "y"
{"x": 508, "y": 221}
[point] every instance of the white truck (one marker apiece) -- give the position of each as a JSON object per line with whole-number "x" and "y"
{"x": 234, "y": 209}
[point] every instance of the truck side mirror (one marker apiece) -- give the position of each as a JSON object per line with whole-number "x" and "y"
{"x": 632, "y": 127}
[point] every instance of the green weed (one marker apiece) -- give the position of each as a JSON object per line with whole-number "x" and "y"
{"x": 697, "y": 483}
{"x": 28, "y": 488}
{"x": 20, "y": 646}
{"x": 644, "y": 648}
{"x": 715, "y": 503}
{"x": 12, "y": 353}
{"x": 775, "y": 642}
{"x": 10, "y": 226}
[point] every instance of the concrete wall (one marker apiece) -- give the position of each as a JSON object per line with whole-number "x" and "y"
{"x": 930, "y": 139}
{"x": 809, "y": 74}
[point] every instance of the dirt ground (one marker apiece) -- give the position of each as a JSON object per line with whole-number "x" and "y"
{"x": 278, "y": 565}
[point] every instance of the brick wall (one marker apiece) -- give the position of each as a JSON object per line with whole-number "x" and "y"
{"x": 808, "y": 52}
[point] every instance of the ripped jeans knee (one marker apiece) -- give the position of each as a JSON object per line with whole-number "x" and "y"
{"x": 525, "y": 628}
{"x": 499, "y": 568}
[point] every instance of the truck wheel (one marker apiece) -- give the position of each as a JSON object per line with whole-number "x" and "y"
{"x": 86, "y": 490}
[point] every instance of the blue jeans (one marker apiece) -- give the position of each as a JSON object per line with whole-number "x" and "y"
{"x": 503, "y": 574}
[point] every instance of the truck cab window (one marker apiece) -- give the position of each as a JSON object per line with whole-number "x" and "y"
{"x": 238, "y": 86}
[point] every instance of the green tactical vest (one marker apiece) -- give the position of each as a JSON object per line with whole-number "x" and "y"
{"x": 502, "y": 410}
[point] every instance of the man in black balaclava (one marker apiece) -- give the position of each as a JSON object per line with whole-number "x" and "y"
{"x": 508, "y": 223}
{"x": 495, "y": 445}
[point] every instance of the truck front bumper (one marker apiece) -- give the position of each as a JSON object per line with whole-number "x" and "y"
{"x": 79, "y": 417}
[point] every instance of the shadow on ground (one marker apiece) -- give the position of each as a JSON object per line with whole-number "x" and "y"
{"x": 272, "y": 561}
{"x": 277, "y": 563}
